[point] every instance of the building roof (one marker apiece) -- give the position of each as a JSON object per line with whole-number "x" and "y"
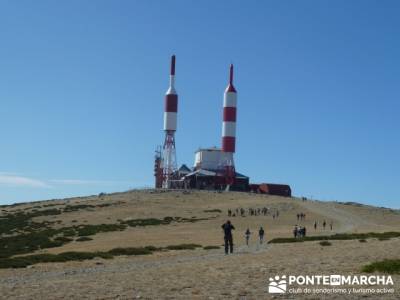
{"x": 238, "y": 175}
{"x": 203, "y": 172}
{"x": 184, "y": 169}
{"x": 208, "y": 149}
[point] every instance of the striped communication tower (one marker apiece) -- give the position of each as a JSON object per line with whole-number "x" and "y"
{"x": 229, "y": 130}
{"x": 169, "y": 163}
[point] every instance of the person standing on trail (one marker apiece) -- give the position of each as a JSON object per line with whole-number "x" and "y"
{"x": 295, "y": 231}
{"x": 228, "y": 238}
{"x": 315, "y": 225}
{"x": 324, "y": 224}
{"x": 247, "y": 236}
{"x": 261, "y": 234}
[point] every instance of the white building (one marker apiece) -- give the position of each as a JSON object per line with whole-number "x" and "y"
{"x": 211, "y": 159}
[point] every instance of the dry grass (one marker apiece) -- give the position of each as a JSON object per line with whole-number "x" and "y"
{"x": 205, "y": 272}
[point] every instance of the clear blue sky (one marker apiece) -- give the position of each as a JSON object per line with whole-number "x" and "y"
{"x": 82, "y": 86}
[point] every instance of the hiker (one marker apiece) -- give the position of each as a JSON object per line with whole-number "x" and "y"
{"x": 315, "y": 225}
{"x": 261, "y": 234}
{"x": 229, "y": 213}
{"x": 302, "y": 231}
{"x": 295, "y": 231}
{"x": 228, "y": 239}
{"x": 298, "y": 217}
{"x": 324, "y": 224}
{"x": 247, "y": 235}
{"x": 331, "y": 225}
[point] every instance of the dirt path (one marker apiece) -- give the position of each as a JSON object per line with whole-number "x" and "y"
{"x": 343, "y": 221}
{"x": 135, "y": 265}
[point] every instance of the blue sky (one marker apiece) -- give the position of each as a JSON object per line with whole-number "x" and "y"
{"x": 82, "y": 86}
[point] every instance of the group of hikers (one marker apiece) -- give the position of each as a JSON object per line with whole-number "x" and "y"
{"x": 261, "y": 233}
{"x": 299, "y": 231}
{"x": 260, "y": 211}
{"x": 301, "y": 216}
{"x": 323, "y": 225}
{"x": 228, "y": 236}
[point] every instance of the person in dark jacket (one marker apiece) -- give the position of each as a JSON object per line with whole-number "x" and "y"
{"x": 261, "y": 233}
{"x": 228, "y": 238}
{"x": 247, "y": 236}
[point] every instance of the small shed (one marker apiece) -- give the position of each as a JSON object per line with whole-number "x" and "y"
{"x": 272, "y": 189}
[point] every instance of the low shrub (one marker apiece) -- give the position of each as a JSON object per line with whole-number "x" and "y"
{"x": 213, "y": 210}
{"x": 285, "y": 240}
{"x": 362, "y": 241}
{"x": 63, "y": 239}
{"x": 85, "y": 230}
{"x": 70, "y": 208}
{"x": 83, "y": 239}
{"x": 183, "y": 247}
{"x": 148, "y": 222}
{"x": 152, "y": 248}
{"x": 211, "y": 247}
{"x": 391, "y": 266}
{"x": 339, "y": 236}
{"x": 104, "y": 205}
{"x": 73, "y": 255}
{"x": 325, "y": 243}
{"x": 25, "y": 243}
{"x": 24, "y": 261}
{"x": 7, "y": 263}
{"x": 68, "y": 231}
{"x": 130, "y": 251}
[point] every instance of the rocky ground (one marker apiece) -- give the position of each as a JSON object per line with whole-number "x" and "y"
{"x": 203, "y": 274}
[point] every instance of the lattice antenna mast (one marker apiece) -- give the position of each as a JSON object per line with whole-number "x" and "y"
{"x": 169, "y": 163}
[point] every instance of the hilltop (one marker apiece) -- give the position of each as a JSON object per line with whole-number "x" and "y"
{"x": 180, "y": 231}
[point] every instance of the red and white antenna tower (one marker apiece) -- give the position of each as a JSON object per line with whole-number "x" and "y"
{"x": 169, "y": 164}
{"x": 229, "y": 130}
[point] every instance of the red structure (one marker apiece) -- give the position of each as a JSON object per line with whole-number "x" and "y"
{"x": 271, "y": 189}
{"x": 169, "y": 164}
{"x": 214, "y": 168}
{"x": 229, "y": 130}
